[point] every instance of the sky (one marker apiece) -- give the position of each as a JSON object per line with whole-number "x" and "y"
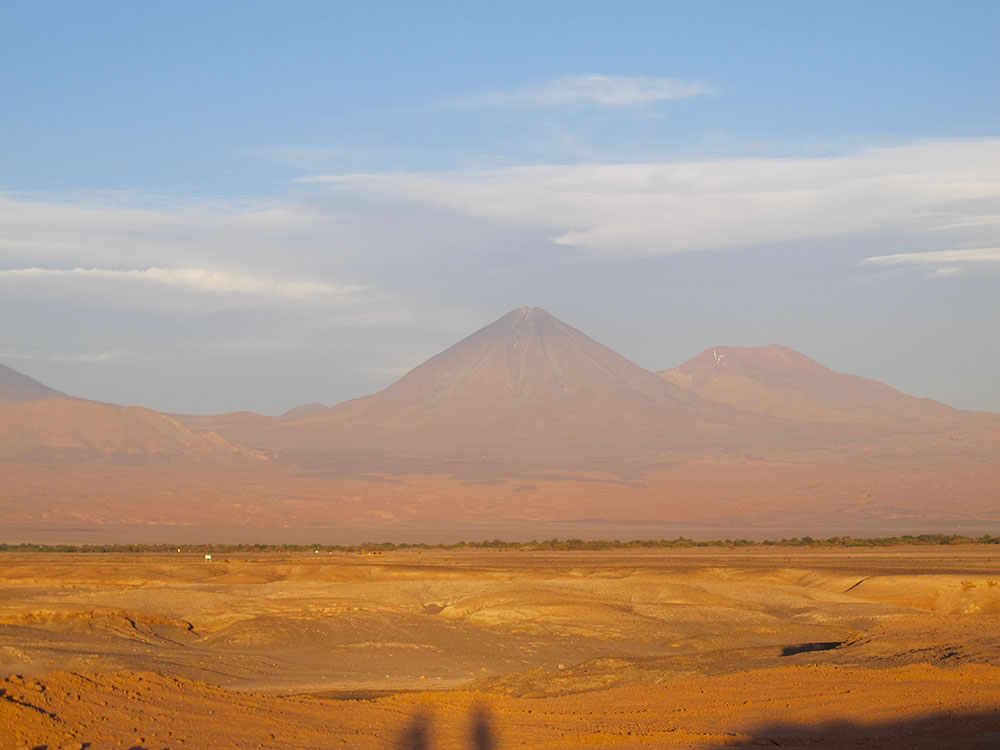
{"x": 209, "y": 207}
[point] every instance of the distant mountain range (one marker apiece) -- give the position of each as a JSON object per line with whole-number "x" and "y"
{"x": 781, "y": 382}
{"x": 530, "y": 387}
{"x": 42, "y": 425}
{"x": 526, "y": 400}
{"x": 527, "y": 387}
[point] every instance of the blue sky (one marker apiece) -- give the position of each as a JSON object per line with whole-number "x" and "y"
{"x": 297, "y": 202}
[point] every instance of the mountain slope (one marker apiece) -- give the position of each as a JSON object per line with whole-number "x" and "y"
{"x": 64, "y": 429}
{"x": 781, "y": 382}
{"x": 220, "y": 422}
{"x": 304, "y": 410}
{"x": 15, "y": 387}
{"x": 526, "y": 382}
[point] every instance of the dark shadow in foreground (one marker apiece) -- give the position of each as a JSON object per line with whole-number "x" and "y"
{"x": 416, "y": 735}
{"x": 951, "y": 730}
{"x": 805, "y": 648}
{"x": 482, "y": 730}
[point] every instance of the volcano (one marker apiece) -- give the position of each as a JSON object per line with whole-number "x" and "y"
{"x": 781, "y": 382}
{"x": 526, "y": 384}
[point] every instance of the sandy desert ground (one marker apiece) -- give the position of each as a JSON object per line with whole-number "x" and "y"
{"x": 894, "y": 647}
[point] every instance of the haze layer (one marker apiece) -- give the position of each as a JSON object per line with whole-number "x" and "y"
{"x": 524, "y": 425}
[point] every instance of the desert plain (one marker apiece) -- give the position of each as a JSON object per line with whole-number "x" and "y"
{"x": 895, "y": 647}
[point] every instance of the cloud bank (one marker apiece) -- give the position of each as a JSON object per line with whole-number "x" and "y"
{"x": 201, "y": 256}
{"x": 643, "y": 209}
{"x": 194, "y": 279}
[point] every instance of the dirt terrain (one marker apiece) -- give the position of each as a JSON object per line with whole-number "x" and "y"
{"x": 893, "y": 647}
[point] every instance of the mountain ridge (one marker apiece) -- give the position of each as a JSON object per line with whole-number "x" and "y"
{"x": 72, "y": 430}
{"x": 527, "y": 377}
{"x": 779, "y": 381}
{"x": 525, "y": 421}
{"x": 16, "y": 387}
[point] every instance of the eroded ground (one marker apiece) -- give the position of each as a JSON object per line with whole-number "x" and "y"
{"x": 676, "y": 648}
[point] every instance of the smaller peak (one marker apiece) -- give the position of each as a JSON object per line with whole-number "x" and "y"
{"x": 773, "y": 358}
{"x": 774, "y": 349}
{"x": 304, "y": 410}
{"x": 751, "y": 352}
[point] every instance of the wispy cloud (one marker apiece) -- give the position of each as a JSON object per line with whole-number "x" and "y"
{"x": 663, "y": 207}
{"x": 589, "y": 90}
{"x": 948, "y": 262}
{"x": 22, "y": 244}
{"x": 185, "y": 258}
{"x": 970, "y": 255}
{"x": 205, "y": 280}
{"x": 946, "y": 271}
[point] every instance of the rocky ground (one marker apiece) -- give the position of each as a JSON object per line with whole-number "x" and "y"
{"x": 679, "y": 648}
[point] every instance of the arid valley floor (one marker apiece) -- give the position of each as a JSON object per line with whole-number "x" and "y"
{"x": 887, "y": 647}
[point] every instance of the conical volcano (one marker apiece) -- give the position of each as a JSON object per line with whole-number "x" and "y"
{"x": 527, "y": 373}
{"x": 526, "y": 383}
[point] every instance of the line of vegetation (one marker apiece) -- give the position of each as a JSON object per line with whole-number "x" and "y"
{"x": 497, "y": 544}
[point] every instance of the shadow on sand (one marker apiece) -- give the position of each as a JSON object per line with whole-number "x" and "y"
{"x": 416, "y": 735}
{"x": 951, "y": 729}
{"x": 944, "y": 731}
{"x": 976, "y": 731}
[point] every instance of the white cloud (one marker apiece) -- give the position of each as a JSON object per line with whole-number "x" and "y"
{"x": 120, "y": 253}
{"x": 970, "y": 255}
{"x": 945, "y": 271}
{"x": 195, "y": 279}
{"x": 589, "y": 90}
{"x": 949, "y": 262}
{"x": 122, "y": 231}
{"x": 664, "y": 207}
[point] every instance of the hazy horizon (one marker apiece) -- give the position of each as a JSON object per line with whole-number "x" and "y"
{"x": 278, "y": 385}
